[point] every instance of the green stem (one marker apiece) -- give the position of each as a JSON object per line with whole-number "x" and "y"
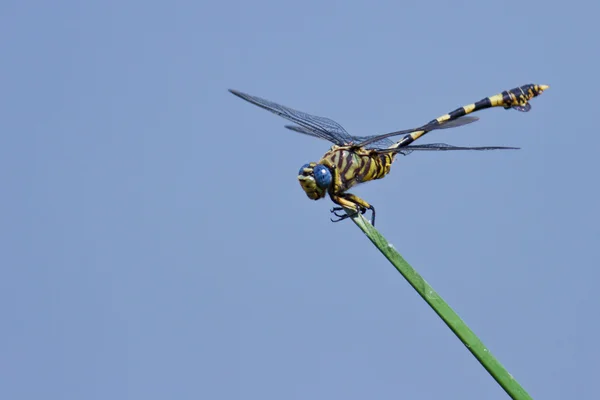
{"x": 447, "y": 314}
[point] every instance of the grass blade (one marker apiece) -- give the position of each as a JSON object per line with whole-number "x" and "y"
{"x": 443, "y": 310}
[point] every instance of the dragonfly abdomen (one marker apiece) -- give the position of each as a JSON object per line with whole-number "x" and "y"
{"x": 517, "y": 98}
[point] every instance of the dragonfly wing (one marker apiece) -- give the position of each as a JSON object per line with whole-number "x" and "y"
{"x": 383, "y": 143}
{"x": 370, "y": 140}
{"x": 306, "y": 131}
{"x": 441, "y": 147}
{"x": 467, "y": 119}
{"x": 374, "y": 141}
{"x": 379, "y": 144}
{"x": 322, "y": 127}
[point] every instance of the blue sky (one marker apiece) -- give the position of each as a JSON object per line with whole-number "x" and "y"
{"x": 156, "y": 244}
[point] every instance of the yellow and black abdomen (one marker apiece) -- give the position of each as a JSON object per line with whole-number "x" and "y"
{"x": 517, "y": 98}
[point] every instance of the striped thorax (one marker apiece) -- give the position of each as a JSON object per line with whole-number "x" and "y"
{"x": 341, "y": 168}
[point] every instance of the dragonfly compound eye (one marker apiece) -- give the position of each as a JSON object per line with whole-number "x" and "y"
{"x": 322, "y": 176}
{"x": 301, "y": 171}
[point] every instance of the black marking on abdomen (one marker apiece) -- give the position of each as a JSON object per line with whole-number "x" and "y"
{"x": 482, "y": 104}
{"x": 459, "y": 112}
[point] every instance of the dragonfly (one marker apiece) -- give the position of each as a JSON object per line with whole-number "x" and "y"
{"x": 358, "y": 159}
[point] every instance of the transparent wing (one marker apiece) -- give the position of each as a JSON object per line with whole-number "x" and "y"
{"x": 383, "y": 143}
{"x": 452, "y": 124}
{"x": 309, "y": 132}
{"x": 376, "y": 141}
{"x": 440, "y": 147}
{"x": 320, "y": 127}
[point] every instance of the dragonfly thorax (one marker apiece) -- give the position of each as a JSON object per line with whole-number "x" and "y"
{"x": 315, "y": 179}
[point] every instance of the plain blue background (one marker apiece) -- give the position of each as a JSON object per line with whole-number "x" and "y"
{"x": 156, "y": 244}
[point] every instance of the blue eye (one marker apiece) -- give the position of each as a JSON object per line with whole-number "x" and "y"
{"x": 301, "y": 172}
{"x": 322, "y": 176}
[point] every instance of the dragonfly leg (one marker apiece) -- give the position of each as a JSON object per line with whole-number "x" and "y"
{"x": 342, "y": 214}
{"x": 348, "y": 200}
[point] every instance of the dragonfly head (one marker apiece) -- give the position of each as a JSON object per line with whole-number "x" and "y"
{"x": 315, "y": 179}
